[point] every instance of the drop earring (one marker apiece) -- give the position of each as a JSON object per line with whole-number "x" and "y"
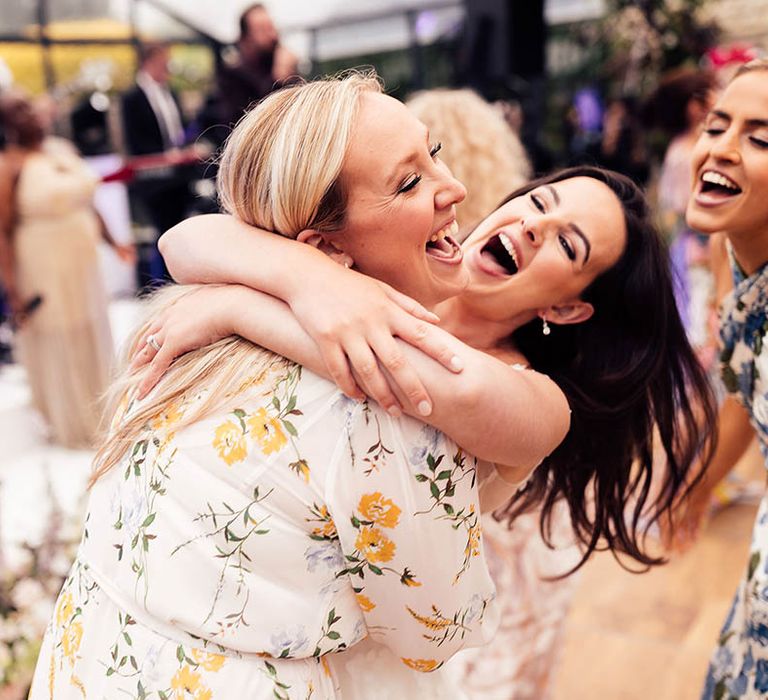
{"x": 545, "y": 329}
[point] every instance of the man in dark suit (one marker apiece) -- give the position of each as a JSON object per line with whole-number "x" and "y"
{"x": 152, "y": 125}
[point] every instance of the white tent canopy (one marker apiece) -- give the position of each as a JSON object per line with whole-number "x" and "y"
{"x": 378, "y": 25}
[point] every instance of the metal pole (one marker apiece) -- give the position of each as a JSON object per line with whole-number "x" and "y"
{"x": 133, "y": 21}
{"x": 417, "y": 56}
{"x": 315, "y": 65}
{"x": 45, "y": 44}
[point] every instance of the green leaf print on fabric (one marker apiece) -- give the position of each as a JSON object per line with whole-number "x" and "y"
{"x": 232, "y": 528}
{"x": 442, "y": 487}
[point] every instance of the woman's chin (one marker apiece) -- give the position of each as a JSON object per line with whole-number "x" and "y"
{"x": 445, "y": 282}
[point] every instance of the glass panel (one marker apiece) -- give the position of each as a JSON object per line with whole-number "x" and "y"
{"x": 16, "y": 15}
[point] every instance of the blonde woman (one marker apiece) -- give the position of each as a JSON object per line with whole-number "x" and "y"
{"x": 249, "y": 526}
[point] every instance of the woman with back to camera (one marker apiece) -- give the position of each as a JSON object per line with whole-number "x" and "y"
{"x": 248, "y": 525}
{"x": 563, "y": 272}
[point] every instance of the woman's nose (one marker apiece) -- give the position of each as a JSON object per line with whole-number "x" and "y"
{"x": 531, "y": 229}
{"x": 726, "y": 147}
{"x": 451, "y": 191}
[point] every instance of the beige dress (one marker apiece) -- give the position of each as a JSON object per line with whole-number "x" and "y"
{"x": 65, "y": 345}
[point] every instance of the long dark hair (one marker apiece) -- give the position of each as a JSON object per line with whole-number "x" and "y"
{"x": 633, "y": 383}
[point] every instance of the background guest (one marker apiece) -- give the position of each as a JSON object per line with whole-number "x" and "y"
{"x": 49, "y": 264}
{"x": 261, "y": 65}
{"x": 152, "y": 124}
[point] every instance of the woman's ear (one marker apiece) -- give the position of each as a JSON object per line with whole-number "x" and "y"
{"x": 576, "y": 311}
{"x": 325, "y": 244}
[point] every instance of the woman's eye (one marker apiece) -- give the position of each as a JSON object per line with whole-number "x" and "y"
{"x": 434, "y": 150}
{"x": 567, "y": 247}
{"x": 408, "y": 186}
{"x": 713, "y": 131}
{"x": 537, "y": 202}
{"x": 760, "y": 143}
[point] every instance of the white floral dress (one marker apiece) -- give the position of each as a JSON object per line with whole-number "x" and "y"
{"x": 244, "y": 555}
{"x": 739, "y": 664}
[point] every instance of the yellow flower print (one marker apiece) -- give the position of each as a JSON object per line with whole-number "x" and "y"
{"x": 229, "y": 443}
{"x": 70, "y": 640}
{"x": 210, "y": 662}
{"x": 185, "y": 681}
{"x": 374, "y": 545}
{"x": 167, "y": 418}
{"x": 365, "y": 602}
{"x": 327, "y": 527}
{"x": 435, "y": 622}
{"x": 64, "y": 609}
{"x": 473, "y": 541}
{"x": 203, "y": 694}
{"x": 423, "y": 665}
{"x": 380, "y": 510}
{"x": 407, "y": 579}
{"x": 267, "y": 431}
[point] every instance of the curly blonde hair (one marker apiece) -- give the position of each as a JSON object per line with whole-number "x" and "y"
{"x": 479, "y": 147}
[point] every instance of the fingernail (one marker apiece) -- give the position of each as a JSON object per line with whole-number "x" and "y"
{"x": 424, "y": 408}
{"x": 456, "y": 364}
{"x": 394, "y": 411}
{"x": 434, "y": 317}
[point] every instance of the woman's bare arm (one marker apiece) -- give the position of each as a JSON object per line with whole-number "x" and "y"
{"x": 495, "y": 412}
{"x": 7, "y": 208}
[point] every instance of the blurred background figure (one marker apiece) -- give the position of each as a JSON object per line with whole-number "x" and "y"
{"x": 677, "y": 108}
{"x": 623, "y": 146}
{"x": 478, "y": 146}
{"x": 483, "y": 151}
{"x": 259, "y": 65}
{"x": 153, "y": 125}
{"x": 51, "y": 275}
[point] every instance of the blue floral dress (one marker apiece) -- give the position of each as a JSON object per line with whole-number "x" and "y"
{"x": 250, "y": 553}
{"x": 739, "y": 664}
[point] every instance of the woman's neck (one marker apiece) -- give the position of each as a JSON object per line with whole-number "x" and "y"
{"x": 750, "y": 249}
{"x": 459, "y": 318}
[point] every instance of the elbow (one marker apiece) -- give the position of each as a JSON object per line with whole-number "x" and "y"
{"x": 521, "y": 428}
{"x": 170, "y": 245}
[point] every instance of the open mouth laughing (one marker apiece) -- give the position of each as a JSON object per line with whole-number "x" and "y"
{"x": 715, "y": 188}
{"x": 443, "y": 247}
{"x": 500, "y": 256}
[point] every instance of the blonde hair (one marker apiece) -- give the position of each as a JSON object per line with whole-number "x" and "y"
{"x": 479, "y": 147}
{"x": 280, "y": 170}
{"x": 751, "y": 67}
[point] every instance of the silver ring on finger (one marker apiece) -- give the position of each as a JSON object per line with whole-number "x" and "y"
{"x": 152, "y": 342}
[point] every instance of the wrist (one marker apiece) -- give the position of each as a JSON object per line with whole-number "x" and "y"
{"x": 234, "y": 297}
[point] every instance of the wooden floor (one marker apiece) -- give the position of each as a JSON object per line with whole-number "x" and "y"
{"x": 649, "y": 636}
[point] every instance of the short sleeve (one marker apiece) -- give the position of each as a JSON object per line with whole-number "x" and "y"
{"x": 405, "y": 504}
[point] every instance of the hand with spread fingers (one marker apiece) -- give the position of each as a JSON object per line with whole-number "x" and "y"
{"x": 355, "y": 325}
